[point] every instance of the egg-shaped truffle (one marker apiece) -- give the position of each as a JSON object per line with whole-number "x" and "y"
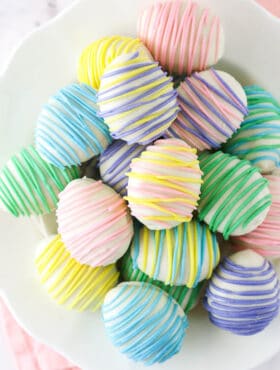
{"x": 181, "y": 35}
{"x": 69, "y": 129}
{"x": 70, "y": 283}
{"x": 143, "y": 322}
{"x": 258, "y": 139}
{"x": 235, "y": 198}
{"x": 212, "y": 106}
{"x": 100, "y": 53}
{"x": 94, "y": 222}
{"x": 114, "y": 164}
{"x": 164, "y": 184}
{"x": 186, "y": 297}
{"x": 184, "y": 255}
{"x": 243, "y": 296}
{"x": 136, "y": 99}
{"x": 265, "y": 239}
{"x": 30, "y": 186}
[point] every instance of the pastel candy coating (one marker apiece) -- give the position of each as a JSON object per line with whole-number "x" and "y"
{"x": 114, "y": 164}
{"x": 136, "y": 99}
{"x": 182, "y": 36}
{"x": 265, "y": 239}
{"x": 164, "y": 184}
{"x": 94, "y": 222}
{"x": 213, "y": 105}
{"x": 235, "y": 198}
{"x": 184, "y": 255}
{"x": 186, "y": 297}
{"x": 143, "y": 322}
{"x": 69, "y": 129}
{"x": 258, "y": 139}
{"x": 30, "y": 186}
{"x": 243, "y": 296}
{"x": 99, "y": 54}
{"x": 69, "y": 283}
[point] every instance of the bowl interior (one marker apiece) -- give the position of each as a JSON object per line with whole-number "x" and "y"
{"x": 45, "y": 62}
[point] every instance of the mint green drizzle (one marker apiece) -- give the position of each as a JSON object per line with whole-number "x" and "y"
{"x": 30, "y": 186}
{"x": 179, "y": 292}
{"x": 218, "y": 181}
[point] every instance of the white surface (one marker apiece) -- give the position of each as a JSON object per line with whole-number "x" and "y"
{"x": 46, "y": 62}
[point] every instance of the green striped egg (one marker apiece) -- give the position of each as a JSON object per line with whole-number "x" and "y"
{"x": 235, "y": 198}
{"x": 30, "y": 186}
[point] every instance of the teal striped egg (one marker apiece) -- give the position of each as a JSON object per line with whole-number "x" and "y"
{"x": 69, "y": 129}
{"x": 183, "y": 255}
{"x": 144, "y": 322}
{"x": 258, "y": 139}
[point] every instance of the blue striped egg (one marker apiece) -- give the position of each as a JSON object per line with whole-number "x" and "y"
{"x": 143, "y": 322}
{"x": 243, "y": 296}
{"x": 69, "y": 129}
{"x": 114, "y": 163}
{"x": 136, "y": 99}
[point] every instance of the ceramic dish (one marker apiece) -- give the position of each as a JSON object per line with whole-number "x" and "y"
{"x": 46, "y": 61}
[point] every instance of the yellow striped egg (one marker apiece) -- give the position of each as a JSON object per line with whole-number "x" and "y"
{"x": 164, "y": 184}
{"x": 96, "y": 56}
{"x": 70, "y": 283}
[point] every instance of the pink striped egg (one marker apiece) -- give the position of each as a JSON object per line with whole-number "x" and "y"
{"x": 94, "y": 222}
{"x": 212, "y": 107}
{"x": 182, "y": 36}
{"x": 265, "y": 239}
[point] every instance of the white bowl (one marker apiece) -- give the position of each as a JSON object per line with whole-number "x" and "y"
{"x": 45, "y": 62}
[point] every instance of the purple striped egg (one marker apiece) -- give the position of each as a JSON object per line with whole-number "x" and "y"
{"x": 212, "y": 106}
{"x": 136, "y": 99}
{"x": 243, "y": 296}
{"x": 114, "y": 164}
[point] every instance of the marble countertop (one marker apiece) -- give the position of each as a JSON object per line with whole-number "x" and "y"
{"x": 18, "y": 18}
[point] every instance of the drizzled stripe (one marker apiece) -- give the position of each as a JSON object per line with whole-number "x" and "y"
{"x": 69, "y": 129}
{"x": 181, "y": 36}
{"x": 258, "y": 139}
{"x": 192, "y": 253}
{"x": 138, "y": 104}
{"x": 30, "y": 186}
{"x": 209, "y": 115}
{"x": 115, "y": 162}
{"x": 71, "y": 284}
{"x": 241, "y": 304}
{"x": 156, "y": 197}
{"x": 144, "y": 322}
{"x": 235, "y": 184}
{"x": 94, "y": 222}
{"x": 98, "y": 55}
{"x": 186, "y": 297}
